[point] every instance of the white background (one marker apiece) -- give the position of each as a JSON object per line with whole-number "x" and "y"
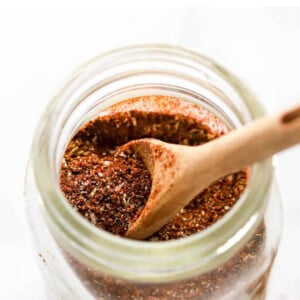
{"x": 39, "y": 48}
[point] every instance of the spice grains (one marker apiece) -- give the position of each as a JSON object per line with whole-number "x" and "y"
{"x": 108, "y": 184}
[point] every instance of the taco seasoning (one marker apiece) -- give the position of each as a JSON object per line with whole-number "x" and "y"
{"x": 108, "y": 184}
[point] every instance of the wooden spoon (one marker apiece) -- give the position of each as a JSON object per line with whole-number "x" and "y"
{"x": 179, "y": 172}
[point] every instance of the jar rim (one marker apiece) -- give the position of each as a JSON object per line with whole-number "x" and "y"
{"x": 140, "y": 260}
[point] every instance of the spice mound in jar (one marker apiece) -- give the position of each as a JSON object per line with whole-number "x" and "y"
{"x": 108, "y": 183}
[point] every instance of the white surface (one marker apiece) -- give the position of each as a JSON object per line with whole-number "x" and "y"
{"x": 38, "y": 49}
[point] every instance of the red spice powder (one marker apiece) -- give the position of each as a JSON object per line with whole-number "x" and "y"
{"x": 108, "y": 184}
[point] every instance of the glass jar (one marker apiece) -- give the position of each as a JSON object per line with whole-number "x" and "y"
{"x": 231, "y": 259}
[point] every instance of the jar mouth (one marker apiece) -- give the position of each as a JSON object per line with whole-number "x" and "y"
{"x": 140, "y": 260}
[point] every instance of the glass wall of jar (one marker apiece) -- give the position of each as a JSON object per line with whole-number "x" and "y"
{"x": 231, "y": 259}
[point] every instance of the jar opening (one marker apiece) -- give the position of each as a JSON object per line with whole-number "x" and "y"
{"x": 119, "y": 75}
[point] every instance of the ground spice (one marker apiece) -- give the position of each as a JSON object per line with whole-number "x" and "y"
{"x": 108, "y": 184}
{"x": 209, "y": 286}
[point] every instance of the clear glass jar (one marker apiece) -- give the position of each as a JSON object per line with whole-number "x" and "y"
{"x": 79, "y": 261}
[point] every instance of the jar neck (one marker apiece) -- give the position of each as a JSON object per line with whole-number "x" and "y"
{"x": 122, "y": 74}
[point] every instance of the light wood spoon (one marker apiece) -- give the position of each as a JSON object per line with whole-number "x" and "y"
{"x": 179, "y": 172}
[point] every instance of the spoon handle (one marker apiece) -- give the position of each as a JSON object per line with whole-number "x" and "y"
{"x": 255, "y": 141}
